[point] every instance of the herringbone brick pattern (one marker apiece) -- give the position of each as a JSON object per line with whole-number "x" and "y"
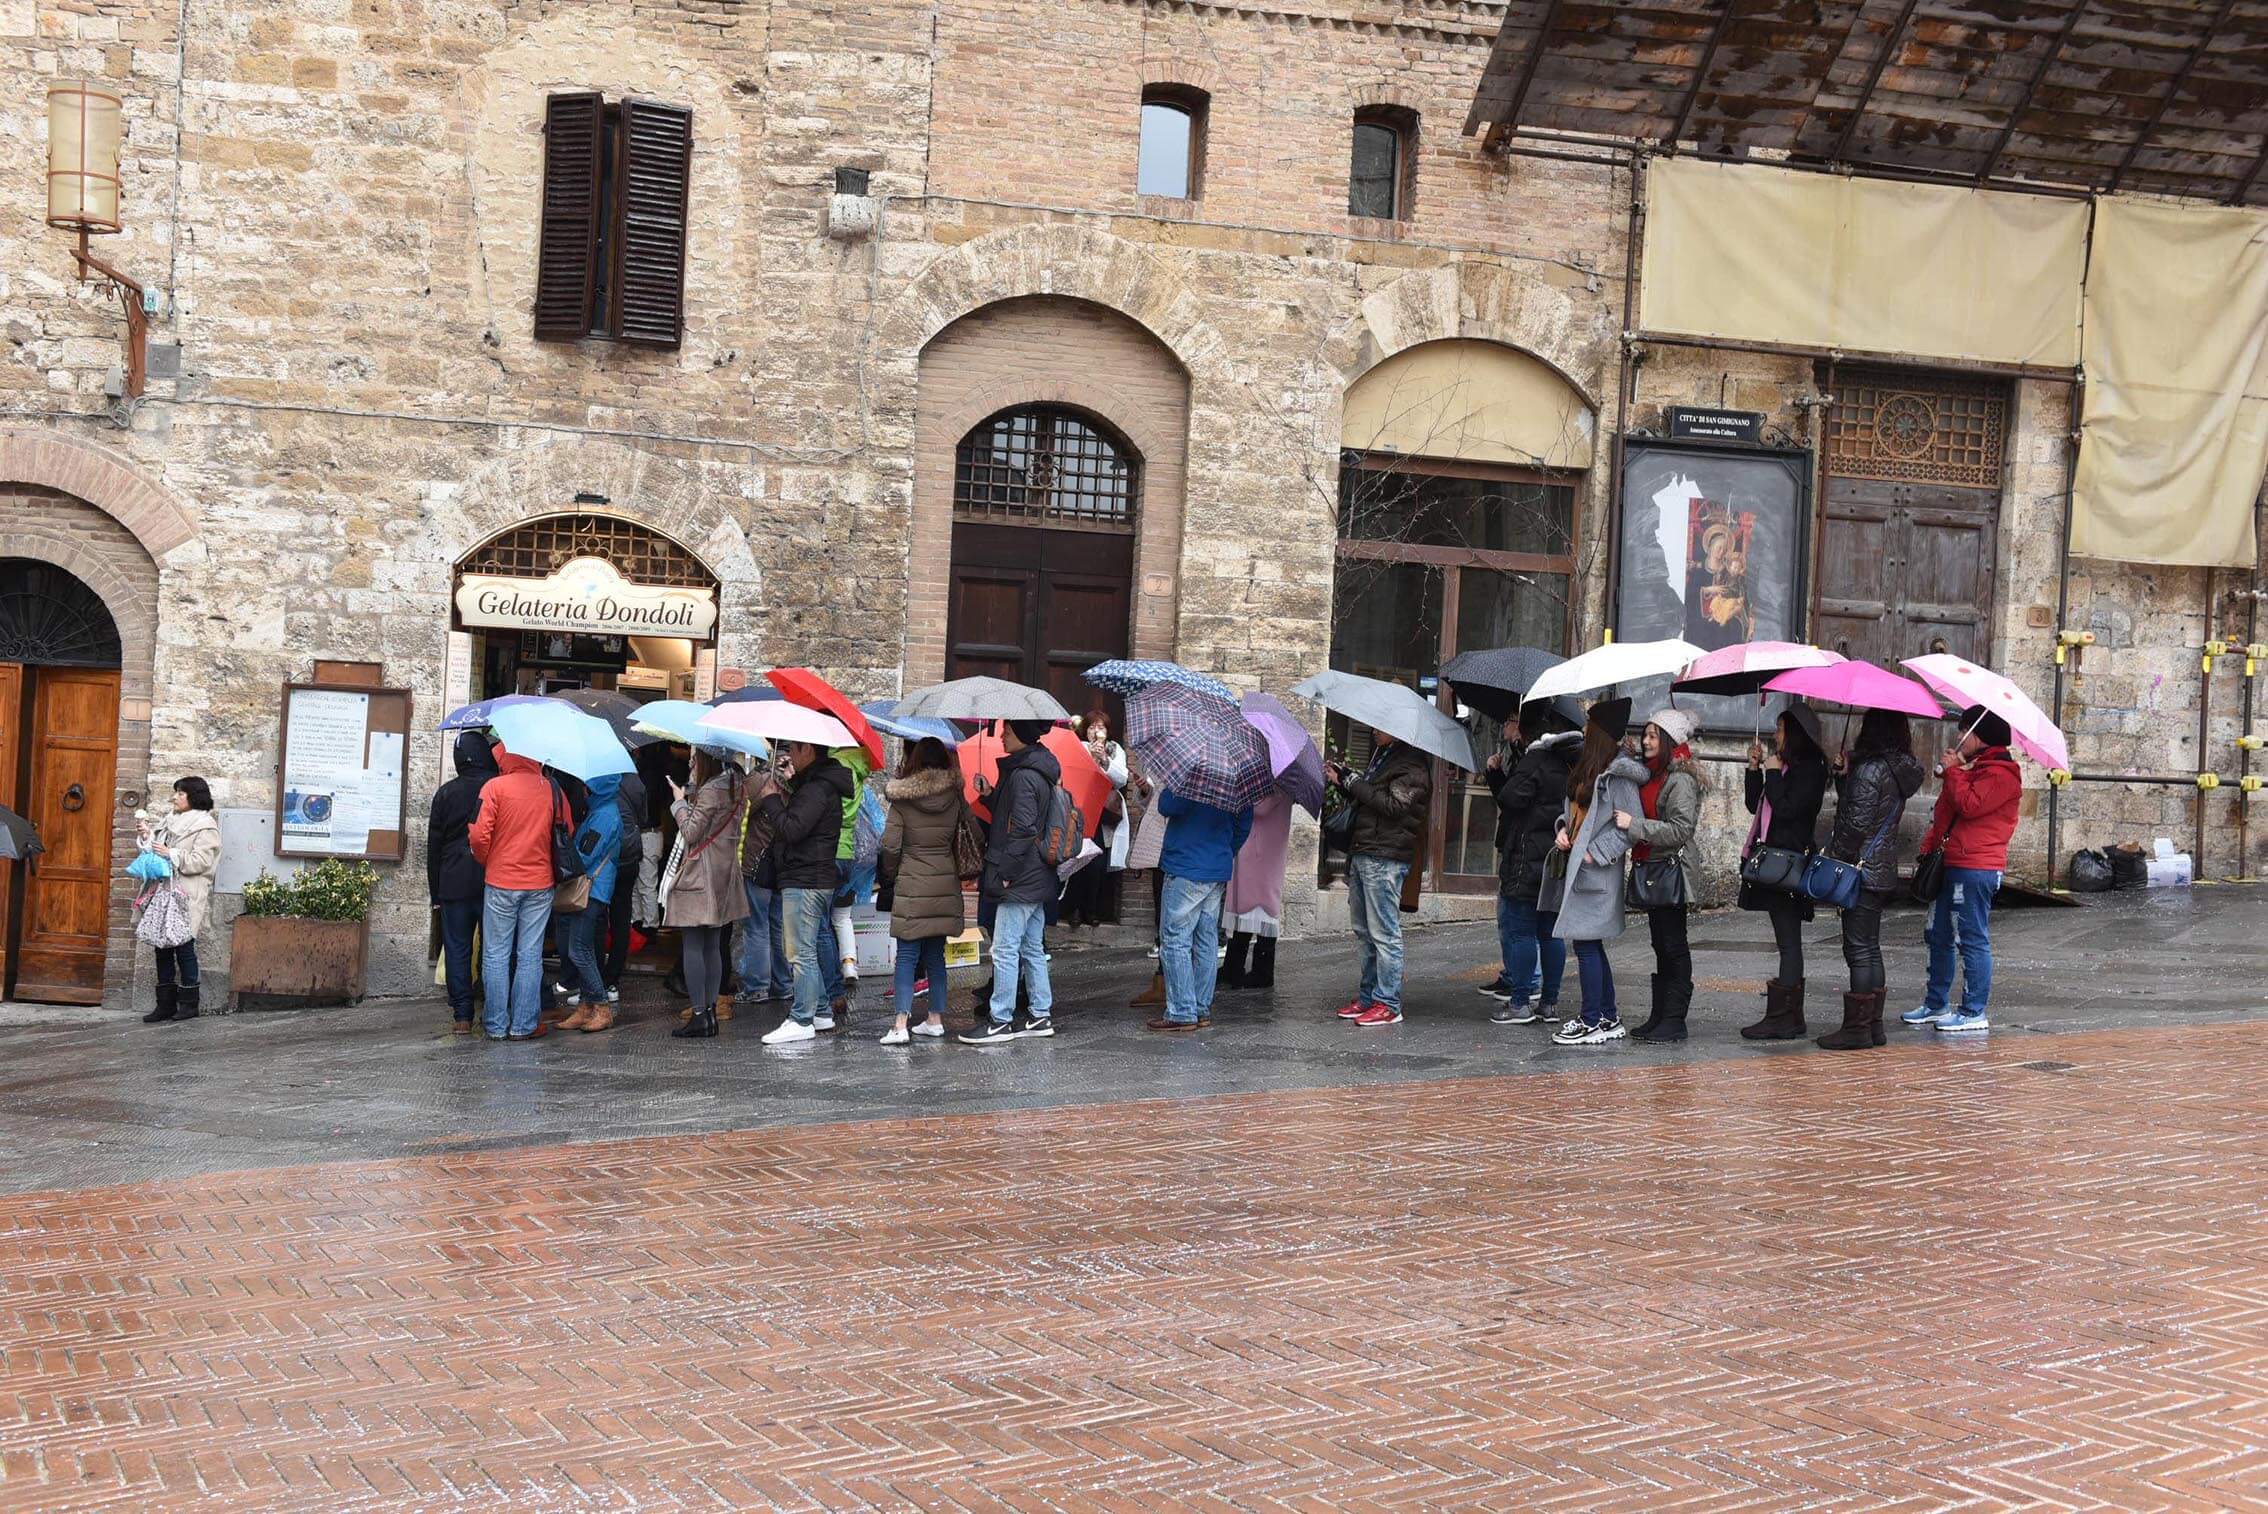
{"x": 1917, "y": 1278}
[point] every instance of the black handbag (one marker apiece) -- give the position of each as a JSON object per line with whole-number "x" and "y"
{"x": 1657, "y": 883}
{"x": 1338, "y": 825}
{"x": 566, "y": 861}
{"x": 1929, "y": 877}
{"x": 1774, "y": 867}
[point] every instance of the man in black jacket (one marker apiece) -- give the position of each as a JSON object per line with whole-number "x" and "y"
{"x": 1528, "y": 800}
{"x": 1021, "y": 884}
{"x": 1390, "y": 799}
{"x": 807, "y": 823}
{"x": 454, "y": 879}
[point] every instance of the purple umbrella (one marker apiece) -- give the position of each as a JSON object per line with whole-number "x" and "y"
{"x": 1291, "y": 751}
{"x": 1199, "y": 746}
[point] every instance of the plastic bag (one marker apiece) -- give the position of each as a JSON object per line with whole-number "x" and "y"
{"x": 2129, "y": 866}
{"x": 2090, "y": 872}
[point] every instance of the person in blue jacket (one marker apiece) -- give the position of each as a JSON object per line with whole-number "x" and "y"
{"x": 598, "y": 841}
{"x": 1201, "y": 842}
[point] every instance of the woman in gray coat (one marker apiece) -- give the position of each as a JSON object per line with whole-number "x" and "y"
{"x": 705, "y": 894}
{"x": 1605, "y": 782}
{"x": 925, "y": 884}
{"x": 1661, "y": 834}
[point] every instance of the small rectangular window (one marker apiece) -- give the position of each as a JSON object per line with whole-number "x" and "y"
{"x": 611, "y": 252}
{"x": 1378, "y": 181}
{"x": 1172, "y": 156}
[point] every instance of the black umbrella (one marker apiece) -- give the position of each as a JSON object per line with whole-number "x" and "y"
{"x": 617, "y": 710}
{"x": 1493, "y": 681}
{"x": 18, "y": 836}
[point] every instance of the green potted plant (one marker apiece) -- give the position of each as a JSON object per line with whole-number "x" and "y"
{"x": 305, "y": 940}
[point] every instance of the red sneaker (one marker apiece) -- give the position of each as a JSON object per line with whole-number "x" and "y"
{"x": 1379, "y": 1014}
{"x": 1354, "y": 1011}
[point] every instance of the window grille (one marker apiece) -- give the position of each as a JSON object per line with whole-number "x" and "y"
{"x": 1918, "y": 427}
{"x": 1045, "y": 465}
{"x": 540, "y": 547}
{"x": 48, "y": 618}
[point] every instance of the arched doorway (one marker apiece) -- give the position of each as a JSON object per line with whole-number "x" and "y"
{"x": 60, "y": 666}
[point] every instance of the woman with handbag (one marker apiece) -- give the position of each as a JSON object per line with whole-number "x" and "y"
{"x": 919, "y": 867}
{"x": 189, "y": 840}
{"x": 1090, "y": 897}
{"x": 1786, "y": 787}
{"x": 1872, "y": 784}
{"x": 1670, "y": 811}
{"x": 1590, "y": 891}
{"x": 701, "y": 894}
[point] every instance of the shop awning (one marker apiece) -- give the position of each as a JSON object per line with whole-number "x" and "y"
{"x": 2168, "y": 98}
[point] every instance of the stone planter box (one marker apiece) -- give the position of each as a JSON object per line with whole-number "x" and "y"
{"x": 283, "y": 962}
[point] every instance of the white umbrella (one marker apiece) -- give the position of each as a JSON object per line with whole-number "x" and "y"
{"x": 981, "y": 698}
{"x": 1397, "y": 709}
{"x": 778, "y": 720}
{"x": 1615, "y": 663}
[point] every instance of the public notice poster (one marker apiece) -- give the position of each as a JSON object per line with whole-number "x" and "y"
{"x": 342, "y": 779}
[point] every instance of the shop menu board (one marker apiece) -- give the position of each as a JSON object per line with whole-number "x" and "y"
{"x": 342, "y": 789}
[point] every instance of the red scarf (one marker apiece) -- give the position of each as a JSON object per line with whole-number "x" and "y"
{"x": 1650, "y": 795}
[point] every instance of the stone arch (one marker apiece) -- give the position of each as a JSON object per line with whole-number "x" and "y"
{"x": 1528, "y": 306}
{"x": 103, "y": 479}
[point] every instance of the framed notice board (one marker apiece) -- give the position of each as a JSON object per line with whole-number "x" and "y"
{"x": 342, "y": 775}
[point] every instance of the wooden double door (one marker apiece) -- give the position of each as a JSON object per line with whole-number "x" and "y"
{"x": 1039, "y": 605}
{"x": 1907, "y": 569}
{"x": 59, "y": 770}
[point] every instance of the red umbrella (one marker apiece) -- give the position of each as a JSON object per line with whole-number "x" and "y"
{"x": 980, "y": 758}
{"x": 804, "y": 687}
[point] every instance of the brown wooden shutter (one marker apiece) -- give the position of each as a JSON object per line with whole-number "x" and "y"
{"x": 649, "y": 223}
{"x": 567, "y": 251}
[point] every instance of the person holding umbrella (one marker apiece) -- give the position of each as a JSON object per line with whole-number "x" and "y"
{"x": 1201, "y": 842}
{"x": 918, "y": 864}
{"x": 1660, "y": 832}
{"x": 1390, "y": 797}
{"x": 1976, "y": 815}
{"x": 1586, "y": 889}
{"x": 704, "y": 897}
{"x": 453, "y": 877}
{"x": 1530, "y": 794}
{"x": 1020, "y": 884}
{"x": 807, "y": 824}
{"x": 511, "y": 838}
{"x": 1873, "y": 782}
{"x": 1785, "y": 788}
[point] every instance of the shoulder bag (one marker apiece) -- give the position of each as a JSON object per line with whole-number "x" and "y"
{"x": 1836, "y": 883}
{"x": 1658, "y": 883}
{"x": 968, "y": 845}
{"x": 566, "y": 861}
{"x": 1778, "y": 868}
{"x": 1929, "y": 877}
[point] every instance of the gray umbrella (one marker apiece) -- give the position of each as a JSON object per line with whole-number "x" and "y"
{"x": 1493, "y": 681}
{"x": 1398, "y": 710}
{"x": 18, "y": 836}
{"x": 981, "y": 699}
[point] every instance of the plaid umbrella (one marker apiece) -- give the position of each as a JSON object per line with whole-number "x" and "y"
{"x": 1198, "y": 746}
{"x": 1129, "y": 676}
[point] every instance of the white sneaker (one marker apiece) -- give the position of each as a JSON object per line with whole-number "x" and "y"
{"x": 614, "y": 996}
{"x": 822, "y": 1022}
{"x": 1153, "y": 951}
{"x": 788, "y": 1031}
{"x": 932, "y": 1027}
{"x": 896, "y": 1036}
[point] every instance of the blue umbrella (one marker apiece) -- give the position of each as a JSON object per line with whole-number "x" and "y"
{"x": 910, "y": 727}
{"x": 477, "y": 715}
{"x": 563, "y": 737}
{"x": 754, "y": 691}
{"x": 680, "y": 720}
{"x": 1128, "y": 676}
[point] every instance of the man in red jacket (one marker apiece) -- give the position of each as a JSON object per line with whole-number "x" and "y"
{"x": 1976, "y": 814}
{"x": 511, "y": 839}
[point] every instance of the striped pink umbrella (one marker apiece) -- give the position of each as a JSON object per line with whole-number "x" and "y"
{"x": 1963, "y": 683}
{"x": 1746, "y": 667}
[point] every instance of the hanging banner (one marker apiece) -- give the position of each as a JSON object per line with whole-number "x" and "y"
{"x": 586, "y": 594}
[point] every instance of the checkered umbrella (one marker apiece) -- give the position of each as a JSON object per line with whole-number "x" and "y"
{"x": 1200, "y": 747}
{"x": 1130, "y": 676}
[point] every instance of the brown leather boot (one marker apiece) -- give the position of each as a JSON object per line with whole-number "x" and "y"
{"x": 1783, "y": 1014}
{"x": 1154, "y": 994}
{"x": 723, "y": 1008}
{"x": 1857, "y": 1033}
{"x": 578, "y": 1019}
{"x": 601, "y": 1017}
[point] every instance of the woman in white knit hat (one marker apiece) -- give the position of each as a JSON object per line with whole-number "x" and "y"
{"x": 1660, "y": 836}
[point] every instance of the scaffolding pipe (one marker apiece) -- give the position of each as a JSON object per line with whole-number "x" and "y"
{"x": 2063, "y": 608}
{"x": 2244, "y": 753}
{"x": 1624, "y": 391}
{"x": 2204, "y": 722}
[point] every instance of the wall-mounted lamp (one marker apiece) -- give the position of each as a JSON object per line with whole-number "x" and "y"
{"x": 85, "y": 124}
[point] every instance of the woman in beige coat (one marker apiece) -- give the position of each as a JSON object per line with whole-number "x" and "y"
{"x": 189, "y": 838}
{"x": 705, "y": 895}
{"x": 917, "y": 862}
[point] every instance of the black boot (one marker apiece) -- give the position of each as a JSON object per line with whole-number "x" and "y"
{"x": 168, "y": 1004}
{"x": 702, "y": 1025}
{"x": 1262, "y": 973}
{"x": 1861, "y": 1014}
{"x": 1653, "y": 1023}
{"x": 185, "y": 1007}
{"x": 1675, "y": 999}
{"x": 1783, "y": 1014}
{"x": 1232, "y": 970}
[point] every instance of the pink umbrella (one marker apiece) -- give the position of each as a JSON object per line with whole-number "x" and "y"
{"x": 1859, "y": 686}
{"x": 1964, "y": 684}
{"x": 1746, "y": 667}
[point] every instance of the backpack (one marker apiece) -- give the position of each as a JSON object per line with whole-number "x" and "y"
{"x": 566, "y": 857}
{"x": 1065, "y": 831}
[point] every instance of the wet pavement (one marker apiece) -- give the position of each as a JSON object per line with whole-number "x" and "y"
{"x": 92, "y": 1097}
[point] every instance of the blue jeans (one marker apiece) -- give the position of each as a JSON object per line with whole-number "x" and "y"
{"x": 804, "y": 933}
{"x": 1019, "y": 942}
{"x": 1961, "y": 921}
{"x": 459, "y": 919}
{"x": 1533, "y": 956}
{"x": 582, "y": 952}
{"x": 1598, "y": 982}
{"x": 918, "y": 960}
{"x": 512, "y": 925}
{"x": 1374, "y": 904}
{"x": 1189, "y": 939}
{"x": 765, "y": 967}
{"x": 831, "y": 955}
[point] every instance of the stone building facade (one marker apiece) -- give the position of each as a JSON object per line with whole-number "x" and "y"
{"x": 337, "y": 209}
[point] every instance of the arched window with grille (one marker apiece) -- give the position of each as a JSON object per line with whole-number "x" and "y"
{"x": 1047, "y": 465}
